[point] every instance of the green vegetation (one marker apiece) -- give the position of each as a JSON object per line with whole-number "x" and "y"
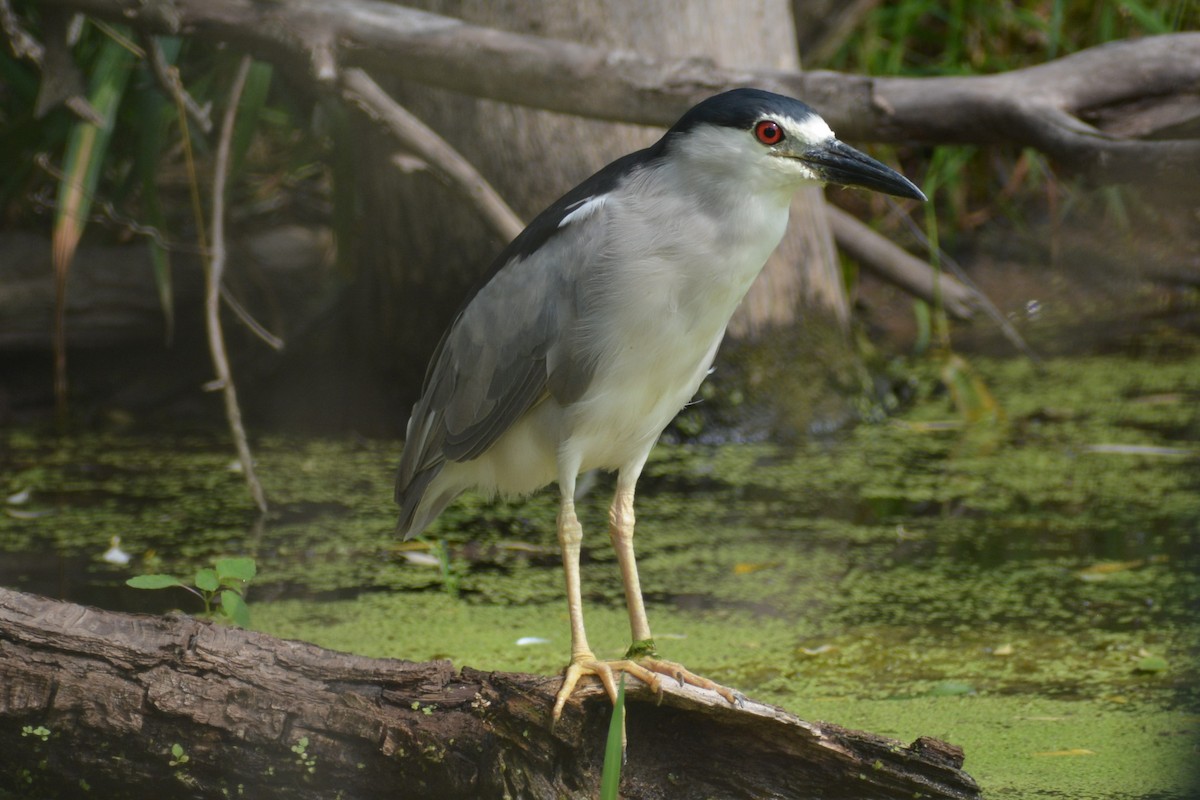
{"x": 41, "y": 732}
{"x": 304, "y": 759}
{"x": 178, "y": 756}
{"x": 970, "y": 185}
{"x": 614, "y": 748}
{"x": 1023, "y": 587}
{"x": 924, "y": 37}
{"x": 221, "y": 587}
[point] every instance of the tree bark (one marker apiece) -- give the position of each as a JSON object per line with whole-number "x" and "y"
{"x": 1047, "y": 107}
{"x": 100, "y": 699}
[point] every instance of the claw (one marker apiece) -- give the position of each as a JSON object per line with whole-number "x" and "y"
{"x": 648, "y": 670}
{"x": 686, "y": 677}
{"x": 587, "y": 664}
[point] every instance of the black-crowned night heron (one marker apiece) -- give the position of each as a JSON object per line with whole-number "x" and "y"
{"x": 600, "y": 320}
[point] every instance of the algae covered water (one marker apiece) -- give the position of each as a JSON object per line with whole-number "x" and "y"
{"x": 1023, "y": 584}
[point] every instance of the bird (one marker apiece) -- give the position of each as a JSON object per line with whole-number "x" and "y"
{"x": 598, "y": 323}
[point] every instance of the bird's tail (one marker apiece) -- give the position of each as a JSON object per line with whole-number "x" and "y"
{"x": 418, "y": 492}
{"x": 409, "y": 496}
{"x": 421, "y": 499}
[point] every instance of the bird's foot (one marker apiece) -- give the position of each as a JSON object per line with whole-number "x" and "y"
{"x": 654, "y": 664}
{"x": 643, "y": 663}
{"x": 651, "y": 662}
{"x": 646, "y": 655}
{"x": 587, "y": 664}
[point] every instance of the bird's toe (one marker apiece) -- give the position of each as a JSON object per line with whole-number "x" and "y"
{"x": 686, "y": 677}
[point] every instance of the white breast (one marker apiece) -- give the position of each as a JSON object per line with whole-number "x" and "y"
{"x": 660, "y": 300}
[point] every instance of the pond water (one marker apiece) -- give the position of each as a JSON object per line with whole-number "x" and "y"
{"x": 1024, "y": 584}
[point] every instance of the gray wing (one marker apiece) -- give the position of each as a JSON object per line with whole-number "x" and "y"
{"x": 511, "y": 346}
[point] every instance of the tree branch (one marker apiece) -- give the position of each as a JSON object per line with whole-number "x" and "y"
{"x": 212, "y": 294}
{"x": 423, "y": 142}
{"x": 1025, "y": 107}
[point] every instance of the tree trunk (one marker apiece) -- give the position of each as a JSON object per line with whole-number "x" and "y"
{"x": 132, "y": 705}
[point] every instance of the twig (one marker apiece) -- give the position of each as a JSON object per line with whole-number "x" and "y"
{"x": 358, "y": 87}
{"x": 212, "y": 293}
{"x": 168, "y": 78}
{"x": 108, "y": 216}
{"x": 256, "y": 327}
{"x": 898, "y": 267}
{"x": 1006, "y": 327}
{"x": 20, "y": 40}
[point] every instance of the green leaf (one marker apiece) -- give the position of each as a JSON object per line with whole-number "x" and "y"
{"x": 242, "y": 569}
{"x": 82, "y": 163}
{"x": 86, "y": 149}
{"x": 154, "y": 116}
{"x": 153, "y": 581}
{"x": 614, "y": 751}
{"x": 206, "y": 580}
{"x": 235, "y": 608}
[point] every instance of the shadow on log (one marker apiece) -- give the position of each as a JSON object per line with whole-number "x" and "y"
{"x": 141, "y": 706}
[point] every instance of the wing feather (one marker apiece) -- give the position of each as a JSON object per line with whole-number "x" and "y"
{"x": 492, "y": 366}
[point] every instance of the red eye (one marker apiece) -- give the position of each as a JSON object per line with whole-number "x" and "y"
{"x": 769, "y": 132}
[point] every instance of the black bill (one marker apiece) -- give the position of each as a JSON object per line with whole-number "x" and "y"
{"x": 841, "y": 164}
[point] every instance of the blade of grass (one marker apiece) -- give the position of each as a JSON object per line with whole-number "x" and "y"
{"x": 82, "y": 162}
{"x": 1153, "y": 20}
{"x": 154, "y": 113}
{"x": 614, "y": 750}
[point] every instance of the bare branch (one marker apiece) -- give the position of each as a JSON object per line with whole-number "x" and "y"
{"x": 212, "y": 299}
{"x": 447, "y": 163}
{"x": 546, "y": 73}
{"x": 1010, "y": 332}
{"x": 62, "y": 82}
{"x": 247, "y": 319}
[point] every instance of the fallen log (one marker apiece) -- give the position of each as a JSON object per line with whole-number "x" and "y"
{"x": 174, "y": 706}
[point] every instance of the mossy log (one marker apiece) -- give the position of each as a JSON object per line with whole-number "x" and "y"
{"x": 125, "y": 705}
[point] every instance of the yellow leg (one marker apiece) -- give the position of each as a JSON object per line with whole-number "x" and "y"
{"x": 621, "y": 522}
{"x": 583, "y": 662}
{"x": 620, "y": 533}
{"x": 642, "y": 660}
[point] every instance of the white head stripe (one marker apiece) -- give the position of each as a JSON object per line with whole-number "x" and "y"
{"x": 810, "y": 129}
